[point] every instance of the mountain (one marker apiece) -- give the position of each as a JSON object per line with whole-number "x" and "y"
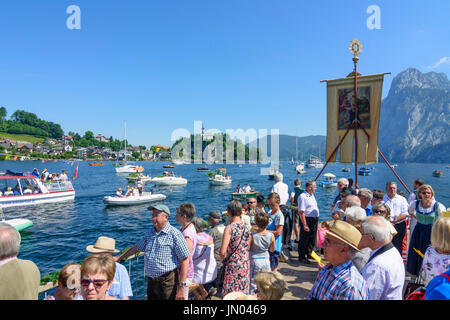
{"x": 415, "y": 118}
{"x": 305, "y": 146}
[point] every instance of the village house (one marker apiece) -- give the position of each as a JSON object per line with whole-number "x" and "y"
{"x": 25, "y": 147}
{"x": 82, "y": 152}
{"x": 101, "y": 138}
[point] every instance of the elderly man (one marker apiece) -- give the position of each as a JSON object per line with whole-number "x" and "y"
{"x": 384, "y": 272}
{"x": 340, "y": 280}
{"x": 348, "y": 199}
{"x": 165, "y": 248}
{"x": 308, "y": 213}
{"x": 365, "y": 196}
{"x": 399, "y": 213}
{"x": 19, "y": 279}
{"x": 341, "y": 184}
{"x": 283, "y": 191}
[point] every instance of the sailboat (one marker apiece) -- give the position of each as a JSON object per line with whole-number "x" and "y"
{"x": 125, "y": 166}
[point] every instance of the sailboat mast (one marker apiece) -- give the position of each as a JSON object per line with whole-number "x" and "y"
{"x": 125, "y": 137}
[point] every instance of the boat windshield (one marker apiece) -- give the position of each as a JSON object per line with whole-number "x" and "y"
{"x": 55, "y": 186}
{"x": 17, "y": 187}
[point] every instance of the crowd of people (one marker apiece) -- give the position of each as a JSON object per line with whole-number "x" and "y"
{"x": 236, "y": 254}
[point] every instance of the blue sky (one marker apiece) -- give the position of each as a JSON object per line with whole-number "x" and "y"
{"x": 161, "y": 65}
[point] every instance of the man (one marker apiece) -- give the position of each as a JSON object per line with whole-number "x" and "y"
{"x": 216, "y": 232}
{"x": 365, "y": 196}
{"x": 377, "y": 196}
{"x": 384, "y": 272}
{"x": 298, "y": 190}
{"x": 348, "y": 199}
{"x": 276, "y": 225}
{"x": 340, "y": 280}
{"x": 341, "y": 184}
{"x": 308, "y": 212}
{"x": 252, "y": 204}
{"x": 121, "y": 286}
{"x": 45, "y": 173}
{"x": 247, "y": 188}
{"x": 165, "y": 248}
{"x": 139, "y": 186}
{"x": 64, "y": 176}
{"x": 399, "y": 213}
{"x": 35, "y": 173}
{"x": 19, "y": 279}
{"x": 282, "y": 190}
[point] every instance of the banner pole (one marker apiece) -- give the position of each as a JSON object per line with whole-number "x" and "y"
{"x": 355, "y": 60}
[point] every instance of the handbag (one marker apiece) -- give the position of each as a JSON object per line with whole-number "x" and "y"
{"x": 221, "y": 272}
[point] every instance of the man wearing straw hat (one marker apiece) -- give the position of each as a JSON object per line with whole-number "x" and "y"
{"x": 121, "y": 287}
{"x": 165, "y": 249}
{"x": 339, "y": 279}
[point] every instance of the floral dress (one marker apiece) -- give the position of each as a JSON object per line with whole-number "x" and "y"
{"x": 237, "y": 269}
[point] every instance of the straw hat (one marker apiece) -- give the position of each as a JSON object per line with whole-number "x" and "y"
{"x": 103, "y": 244}
{"x": 237, "y": 295}
{"x": 345, "y": 232}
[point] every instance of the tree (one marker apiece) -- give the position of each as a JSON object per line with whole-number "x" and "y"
{"x": 2, "y": 114}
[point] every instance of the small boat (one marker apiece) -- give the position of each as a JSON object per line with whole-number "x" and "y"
{"x": 169, "y": 181}
{"x": 128, "y": 168}
{"x": 301, "y": 172}
{"x": 300, "y": 167}
{"x": 244, "y": 196}
{"x": 438, "y": 173}
{"x": 346, "y": 169}
{"x": 202, "y": 169}
{"x": 363, "y": 171}
{"x": 220, "y": 180}
{"x": 330, "y": 181}
{"x": 135, "y": 175}
{"x": 19, "y": 224}
{"x": 146, "y": 197}
{"x": 272, "y": 173}
{"x": 95, "y": 164}
{"x": 314, "y": 162}
{"x": 169, "y": 166}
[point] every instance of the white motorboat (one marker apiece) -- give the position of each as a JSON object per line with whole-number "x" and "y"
{"x": 300, "y": 167}
{"x": 220, "y": 180}
{"x": 19, "y": 224}
{"x": 22, "y": 189}
{"x": 144, "y": 178}
{"x": 314, "y": 162}
{"x": 330, "y": 181}
{"x": 133, "y": 200}
{"x": 128, "y": 168}
{"x": 169, "y": 181}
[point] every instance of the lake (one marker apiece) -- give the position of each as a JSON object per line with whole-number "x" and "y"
{"x": 62, "y": 231}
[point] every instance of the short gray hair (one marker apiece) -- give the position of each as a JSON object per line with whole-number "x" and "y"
{"x": 278, "y": 177}
{"x": 199, "y": 224}
{"x": 9, "y": 241}
{"x": 378, "y": 227}
{"x": 366, "y": 193}
{"x": 343, "y": 181}
{"x": 356, "y": 213}
{"x": 234, "y": 208}
{"x": 352, "y": 201}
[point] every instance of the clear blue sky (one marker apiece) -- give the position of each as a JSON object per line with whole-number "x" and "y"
{"x": 161, "y": 65}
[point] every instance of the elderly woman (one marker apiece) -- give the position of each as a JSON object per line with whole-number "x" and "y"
{"x": 97, "y": 275}
{"x": 355, "y": 216}
{"x": 235, "y": 252}
{"x": 437, "y": 257}
{"x": 365, "y": 195}
{"x": 426, "y": 210}
{"x": 270, "y": 285}
{"x": 68, "y": 284}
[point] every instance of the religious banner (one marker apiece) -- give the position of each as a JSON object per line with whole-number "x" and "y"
{"x": 341, "y": 115}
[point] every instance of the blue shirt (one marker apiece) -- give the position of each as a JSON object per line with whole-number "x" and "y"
{"x": 163, "y": 250}
{"x": 341, "y": 283}
{"x": 275, "y": 220}
{"x": 438, "y": 288}
{"x": 121, "y": 286}
{"x": 369, "y": 209}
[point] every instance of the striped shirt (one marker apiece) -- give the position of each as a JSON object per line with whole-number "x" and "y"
{"x": 341, "y": 283}
{"x": 163, "y": 250}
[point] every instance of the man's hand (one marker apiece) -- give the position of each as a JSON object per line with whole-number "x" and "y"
{"x": 180, "y": 293}
{"x": 305, "y": 227}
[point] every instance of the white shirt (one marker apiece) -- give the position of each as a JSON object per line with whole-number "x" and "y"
{"x": 64, "y": 177}
{"x": 283, "y": 191}
{"x": 308, "y": 204}
{"x": 398, "y": 206}
{"x": 247, "y": 189}
{"x": 385, "y": 275}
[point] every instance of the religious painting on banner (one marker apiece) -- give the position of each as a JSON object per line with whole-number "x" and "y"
{"x": 341, "y": 113}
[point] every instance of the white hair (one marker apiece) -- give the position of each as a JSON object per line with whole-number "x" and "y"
{"x": 343, "y": 181}
{"x": 278, "y": 177}
{"x": 356, "y": 213}
{"x": 378, "y": 227}
{"x": 366, "y": 193}
{"x": 9, "y": 241}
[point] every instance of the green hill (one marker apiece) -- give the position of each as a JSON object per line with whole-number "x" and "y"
{"x": 20, "y": 137}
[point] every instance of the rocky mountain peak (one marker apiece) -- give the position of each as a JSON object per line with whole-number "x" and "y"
{"x": 412, "y": 77}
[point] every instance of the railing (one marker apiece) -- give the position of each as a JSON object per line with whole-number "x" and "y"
{"x": 59, "y": 186}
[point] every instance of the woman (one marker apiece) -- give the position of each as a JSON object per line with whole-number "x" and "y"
{"x": 355, "y": 216}
{"x": 437, "y": 256}
{"x": 260, "y": 203}
{"x": 185, "y": 214}
{"x": 262, "y": 242}
{"x": 68, "y": 284}
{"x": 97, "y": 275}
{"x": 381, "y": 209}
{"x": 235, "y": 251}
{"x": 205, "y": 270}
{"x": 298, "y": 190}
{"x": 426, "y": 210}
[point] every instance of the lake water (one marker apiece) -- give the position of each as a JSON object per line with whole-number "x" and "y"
{"x": 62, "y": 231}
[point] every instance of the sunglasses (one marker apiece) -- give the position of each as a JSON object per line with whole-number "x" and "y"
{"x": 98, "y": 283}
{"x": 380, "y": 211}
{"x": 250, "y": 202}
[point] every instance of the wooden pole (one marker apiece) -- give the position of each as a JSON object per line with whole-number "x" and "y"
{"x": 355, "y": 60}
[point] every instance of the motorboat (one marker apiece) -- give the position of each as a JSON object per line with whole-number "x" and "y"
{"x": 314, "y": 162}
{"x": 169, "y": 181}
{"x": 128, "y": 168}
{"x": 132, "y": 177}
{"x": 244, "y": 195}
{"x": 22, "y": 189}
{"x": 169, "y": 166}
{"x": 438, "y": 173}
{"x": 272, "y": 173}
{"x": 19, "y": 224}
{"x": 330, "y": 181}
{"x": 202, "y": 169}
{"x": 95, "y": 164}
{"x": 363, "y": 171}
{"x": 346, "y": 169}
{"x": 220, "y": 180}
{"x": 146, "y": 197}
{"x": 300, "y": 167}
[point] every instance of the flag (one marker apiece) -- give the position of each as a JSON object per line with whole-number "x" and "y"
{"x": 76, "y": 173}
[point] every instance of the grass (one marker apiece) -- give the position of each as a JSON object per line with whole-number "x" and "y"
{"x": 21, "y": 137}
